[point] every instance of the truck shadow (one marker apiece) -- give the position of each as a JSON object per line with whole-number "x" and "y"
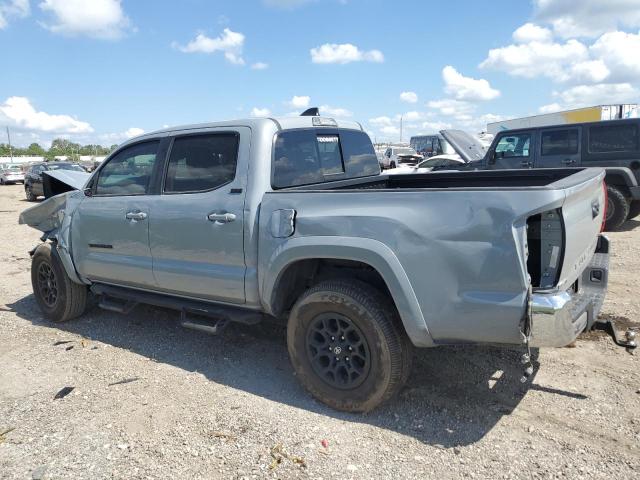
{"x": 454, "y": 396}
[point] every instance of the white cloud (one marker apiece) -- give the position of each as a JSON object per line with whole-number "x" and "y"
{"x": 327, "y": 110}
{"x": 411, "y": 116}
{"x": 587, "y": 18}
{"x": 536, "y": 58}
{"x": 602, "y": 93}
{"x": 381, "y": 121}
{"x": 13, "y": 9}
{"x": 390, "y": 130}
{"x": 620, "y": 52}
{"x": 451, "y": 107}
{"x": 259, "y": 66}
{"x": 550, "y": 108}
{"x": 344, "y": 53}
{"x": 301, "y": 101}
{"x": 133, "y": 132}
{"x": 102, "y": 19}
{"x": 530, "y": 32}
{"x": 432, "y": 127}
{"x": 467, "y": 88}
{"x": 229, "y": 42}
{"x": 409, "y": 97}
{"x": 18, "y": 112}
{"x": 260, "y": 112}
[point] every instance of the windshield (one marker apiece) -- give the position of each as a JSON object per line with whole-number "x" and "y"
{"x": 432, "y": 162}
{"x": 446, "y": 147}
{"x": 404, "y": 151}
{"x": 14, "y": 168}
{"x": 65, "y": 166}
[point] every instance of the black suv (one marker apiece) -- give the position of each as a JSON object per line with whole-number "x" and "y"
{"x": 613, "y": 145}
{"x": 33, "y": 178}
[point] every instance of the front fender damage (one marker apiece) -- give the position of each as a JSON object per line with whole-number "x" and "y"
{"x": 54, "y": 218}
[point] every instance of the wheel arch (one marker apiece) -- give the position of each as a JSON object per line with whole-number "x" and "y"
{"x": 304, "y": 260}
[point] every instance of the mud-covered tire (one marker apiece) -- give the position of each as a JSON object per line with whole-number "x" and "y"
{"x": 31, "y": 197}
{"x": 59, "y": 298}
{"x": 617, "y": 209}
{"x": 363, "y": 313}
{"x": 634, "y": 209}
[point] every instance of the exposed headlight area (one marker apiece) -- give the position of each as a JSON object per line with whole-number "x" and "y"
{"x": 545, "y": 243}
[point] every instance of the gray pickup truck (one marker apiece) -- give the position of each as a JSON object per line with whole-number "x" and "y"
{"x": 290, "y": 219}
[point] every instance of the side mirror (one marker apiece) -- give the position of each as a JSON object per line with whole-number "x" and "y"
{"x": 88, "y": 192}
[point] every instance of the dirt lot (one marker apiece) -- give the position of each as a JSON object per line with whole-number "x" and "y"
{"x": 195, "y": 406}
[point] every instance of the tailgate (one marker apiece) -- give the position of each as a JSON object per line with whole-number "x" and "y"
{"x": 582, "y": 215}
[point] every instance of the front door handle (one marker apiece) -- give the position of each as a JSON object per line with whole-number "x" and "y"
{"x": 136, "y": 216}
{"x": 221, "y": 217}
{"x": 526, "y": 164}
{"x": 569, "y": 161}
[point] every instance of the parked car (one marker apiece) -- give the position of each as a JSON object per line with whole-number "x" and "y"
{"x": 289, "y": 220}
{"x": 431, "y": 145}
{"x": 395, "y": 156}
{"x": 33, "y": 187}
{"x": 11, "y": 174}
{"x": 440, "y": 162}
{"x": 613, "y": 145}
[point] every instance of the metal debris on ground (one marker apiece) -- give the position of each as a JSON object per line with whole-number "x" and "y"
{"x": 62, "y": 342}
{"x": 229, "y": 437}
{"x": 278, "y": 454}
{"x": 126, "y": 380}
{"x": 4, "y": 432}
{"x": 69, "y": 348}
{"x": 63, "y": 392}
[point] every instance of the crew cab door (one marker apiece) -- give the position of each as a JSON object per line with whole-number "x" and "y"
{"x": 512, "y": 151}
{"x": 196, "y": 232}
{"x": 110, "y": 229}
{"x": 559, "y": 147}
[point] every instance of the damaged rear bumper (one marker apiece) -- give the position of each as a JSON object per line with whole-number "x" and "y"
{"x": 558, "y": 318}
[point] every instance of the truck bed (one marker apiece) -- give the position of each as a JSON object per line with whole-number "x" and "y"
{"x": 494, "y": 179}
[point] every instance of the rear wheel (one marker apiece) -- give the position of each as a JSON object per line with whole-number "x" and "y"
{"x": 347, "y": 345}
{"x": 634, "y": 209}
{"x": 58, "y": 297}
{"x": 617, "y": 208}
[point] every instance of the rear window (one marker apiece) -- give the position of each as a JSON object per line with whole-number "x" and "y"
{"x": 306, "y": 156}
{"x": 560, "y": 142}
{"x": 613, "y": 138}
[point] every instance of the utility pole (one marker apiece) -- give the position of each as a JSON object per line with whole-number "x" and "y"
{"x": 10, "y": 151}
{"x": 400, "y": 128}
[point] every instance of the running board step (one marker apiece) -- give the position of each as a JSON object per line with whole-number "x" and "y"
{"x": 117, "y": 305}
{"x": 123, "y": 300}
{"x": 212, "y": 326}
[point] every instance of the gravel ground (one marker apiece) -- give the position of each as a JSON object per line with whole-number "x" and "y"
{"x": 195, "y": 406}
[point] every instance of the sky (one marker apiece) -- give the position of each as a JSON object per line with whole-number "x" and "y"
{"x": 102, "y": 71}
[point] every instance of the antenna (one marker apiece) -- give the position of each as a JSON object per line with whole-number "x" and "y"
{"x": 311, "y": 112}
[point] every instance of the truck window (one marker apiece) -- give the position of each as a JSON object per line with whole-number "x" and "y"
{"x": 560, "y": 142}
{"x": 129, "y": 172}
{"x": 516, "y": 145}
{"x": 613, "y": 138}
{"x": 306, "y": 156}
{"x": 199, "y": 163}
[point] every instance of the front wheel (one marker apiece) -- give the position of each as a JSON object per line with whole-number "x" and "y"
{"x": 32, "y": 197}
{"x": 617, "y": 209}
{"x": 347, "y": 345}
{"x": 58, "y": 297}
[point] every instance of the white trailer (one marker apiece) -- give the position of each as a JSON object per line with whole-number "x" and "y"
{"x": 579, "y": 115}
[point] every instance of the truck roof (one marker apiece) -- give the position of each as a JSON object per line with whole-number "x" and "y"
{"x": 280, "y": 123}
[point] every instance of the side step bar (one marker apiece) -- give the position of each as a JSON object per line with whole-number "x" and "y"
{"x": 123, "y": 300}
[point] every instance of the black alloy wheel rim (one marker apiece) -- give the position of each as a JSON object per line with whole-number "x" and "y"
{"x": 47, "y": 284}
{"x": 338, "y": 351}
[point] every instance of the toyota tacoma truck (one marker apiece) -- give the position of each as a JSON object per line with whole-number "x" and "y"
{"x": 289, "y": 219}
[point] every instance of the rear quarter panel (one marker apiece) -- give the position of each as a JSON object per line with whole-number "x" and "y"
{"x": 462, "y": 251}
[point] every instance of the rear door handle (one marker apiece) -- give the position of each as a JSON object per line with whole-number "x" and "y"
{"x": 569, "y": 161}
{"x": 526, "y": 163}
{"x": 221, "y": 217}
{"x": 136, "y": 216}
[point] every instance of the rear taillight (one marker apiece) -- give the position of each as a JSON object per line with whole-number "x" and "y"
{"x": 604, "y": 209}
{"x": 545, "y": 245}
